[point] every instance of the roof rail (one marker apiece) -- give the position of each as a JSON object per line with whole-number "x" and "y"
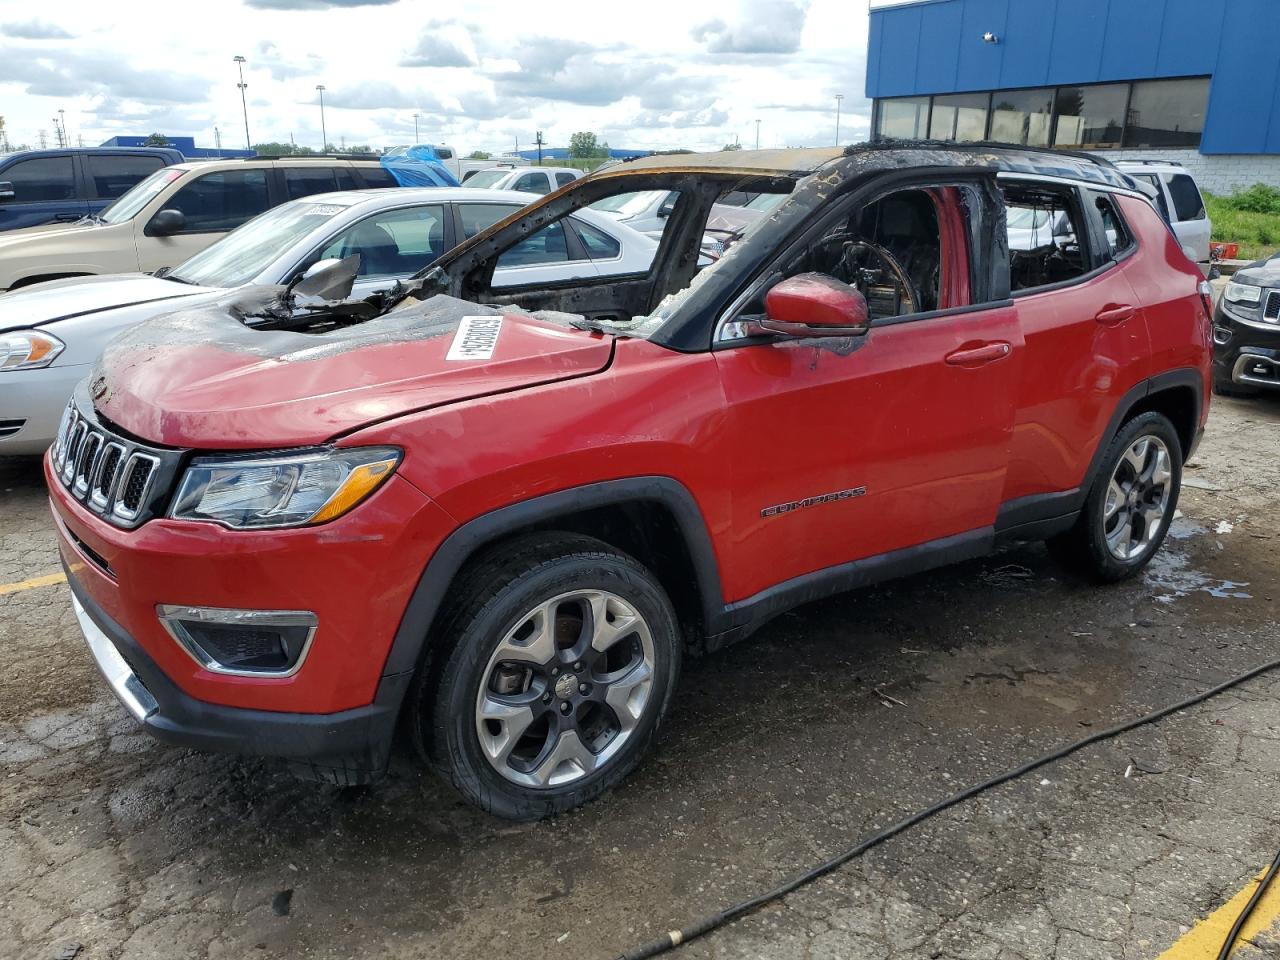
{"x": 317, "y": 156}
{"x": 898, "y": 144}
{"x": 1154, "y": 163}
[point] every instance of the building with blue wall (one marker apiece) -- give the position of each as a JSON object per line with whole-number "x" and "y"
{"x": 1196, "y": 81}
{"x": 184, "y": 145}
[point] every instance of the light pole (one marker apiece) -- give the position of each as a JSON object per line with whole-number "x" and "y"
{"x": 757, "y": 134}
{"x": 66, "y": 137}
{"x": 839, "y": 97}
{"x": 416, "y": 118}
{"x": 57, "y": 132}
{"x": 324, "y": 137}
{"x": 240, "y": 62}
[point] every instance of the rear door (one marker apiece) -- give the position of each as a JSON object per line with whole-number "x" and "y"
{"x": 550, "y": 255}
{"x": 847, "y": 449}
{"x": 44, "y": 191}
{"x": 111, "y": 175}
{"x": 1085, "y": 336}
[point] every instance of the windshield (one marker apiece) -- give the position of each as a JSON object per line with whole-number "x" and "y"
{"x": 245, "y": 252}
{"x": 628, "y": 204}
{"x": 127, "y": 207}
{"x": 486, "y": 178}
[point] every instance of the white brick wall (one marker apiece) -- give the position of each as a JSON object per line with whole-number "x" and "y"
{"x": 1217, "y": 173}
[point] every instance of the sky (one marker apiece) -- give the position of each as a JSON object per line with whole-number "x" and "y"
{"x": 652, "y": 75}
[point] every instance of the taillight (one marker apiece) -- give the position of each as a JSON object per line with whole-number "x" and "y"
{"x": 1206, "y": 297}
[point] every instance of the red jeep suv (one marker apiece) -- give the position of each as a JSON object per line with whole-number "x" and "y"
{"x": 501, "y": 512}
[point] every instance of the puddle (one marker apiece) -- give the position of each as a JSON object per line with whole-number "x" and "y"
{"x": 1183, "y": 528}
{"x": 1171, "y": 576}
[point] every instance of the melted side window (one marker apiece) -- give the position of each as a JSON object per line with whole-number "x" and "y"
{"x": 1118, "y": 238}
{"x": 1045, "y": 235}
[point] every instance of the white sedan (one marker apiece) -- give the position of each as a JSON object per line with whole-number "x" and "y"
{"x": 51, "y": 333}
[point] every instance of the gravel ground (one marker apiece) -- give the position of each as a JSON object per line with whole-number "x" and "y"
{"x": 836, "y": 719}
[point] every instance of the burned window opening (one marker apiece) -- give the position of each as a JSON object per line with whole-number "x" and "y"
{"x": 1045, "y": 226}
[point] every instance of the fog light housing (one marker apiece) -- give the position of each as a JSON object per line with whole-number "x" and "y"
{"x": 242, "y": 643}
{"x": 1221, "y": 334}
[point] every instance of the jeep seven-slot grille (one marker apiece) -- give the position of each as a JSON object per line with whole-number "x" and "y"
{"x": 1272, "y": 309}
{"x": 113, "y": 476}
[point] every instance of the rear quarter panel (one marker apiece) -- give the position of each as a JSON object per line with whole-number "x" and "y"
{"x": 1167, "y": 285}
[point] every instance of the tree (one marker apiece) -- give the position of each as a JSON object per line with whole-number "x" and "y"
{"x": 156, "y": 140}
{"x": 603, "y": 151}
{"x": 583, "y": 145}
{"x": 478, "y": 155}
{"x": 732, "y": 146}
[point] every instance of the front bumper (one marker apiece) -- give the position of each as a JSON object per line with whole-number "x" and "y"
{"x": 34, "y": 400}
{"x": 346, "y": 748}
{"x": 1245, "y": 353}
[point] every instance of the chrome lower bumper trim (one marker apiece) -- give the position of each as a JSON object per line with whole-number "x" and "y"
{"x": 123, "y": 681}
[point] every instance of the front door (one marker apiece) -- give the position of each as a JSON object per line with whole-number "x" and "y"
{"x": 850, "y": 449}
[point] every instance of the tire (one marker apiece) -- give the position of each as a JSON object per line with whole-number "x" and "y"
{"x": 552, "y": 722}
{"x": 1229, "y": 388}
{"x": 1097, "y": 546}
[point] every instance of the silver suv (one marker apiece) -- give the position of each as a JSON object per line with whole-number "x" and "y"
{"x": 173, "y": 214}
{"x": 1179, "y": 200}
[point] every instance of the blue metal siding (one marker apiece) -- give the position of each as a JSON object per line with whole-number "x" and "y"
{"x": 936, "y": 47}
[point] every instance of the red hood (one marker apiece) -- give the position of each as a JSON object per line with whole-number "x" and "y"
{"x": 252, "y": 389}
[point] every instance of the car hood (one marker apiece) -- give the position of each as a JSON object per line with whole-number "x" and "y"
{"x": 43, "y": 303}
{"x": 202, "y": 379}
{"x": 1260, "y": 273}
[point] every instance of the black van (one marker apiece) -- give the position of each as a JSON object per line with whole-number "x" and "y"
{"x": 61, "y": 186}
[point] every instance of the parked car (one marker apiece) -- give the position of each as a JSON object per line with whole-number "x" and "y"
{"x": 501, "y": 514}
{"x": 1178, "y": 198}
{"x": 1246, "y": 331}
{"x": 61, "y": 186}
{"x": 538, "y": 180}
{"x": 643, "y": 210}
{"x": 172, "y": 214}
{"x": 50, "y": 333}
{"x": 461, "y": 167}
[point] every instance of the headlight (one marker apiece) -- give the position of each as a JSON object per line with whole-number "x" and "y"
{"x": 291, "y": 490}
{"x": 28, "y": 349}
{"x": 1242, "y": 293}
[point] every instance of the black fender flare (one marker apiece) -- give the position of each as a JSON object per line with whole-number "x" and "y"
{"x": 462, "y": 544}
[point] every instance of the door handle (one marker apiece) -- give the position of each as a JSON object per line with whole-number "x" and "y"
{"x": 1114, "y": 313}
{"x": 977, "y": 356}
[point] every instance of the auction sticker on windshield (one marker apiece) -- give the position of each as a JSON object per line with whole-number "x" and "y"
{"x": 475, "y": 339}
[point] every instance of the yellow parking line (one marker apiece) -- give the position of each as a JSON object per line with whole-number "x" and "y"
{"x": 1204, "y": 940}
{"x": 45, "y": 581}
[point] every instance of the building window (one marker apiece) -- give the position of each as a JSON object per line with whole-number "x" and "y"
{"x": 1022, "y": 116}
{"x": 962, "y": 116}
{"x": 1090, "y": 117}
{"x": 905, "y": 118}
{"x": 1167, "y": 113}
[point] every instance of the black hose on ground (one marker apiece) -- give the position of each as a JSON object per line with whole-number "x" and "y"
{"x": 1247, "y": 912}
{"x": 675, "y": 938}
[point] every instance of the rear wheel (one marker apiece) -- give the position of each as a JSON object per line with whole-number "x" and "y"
{"x": 562, "y": 655}
{"x": 1131, "y": 504}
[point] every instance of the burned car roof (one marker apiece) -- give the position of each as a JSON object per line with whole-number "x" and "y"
{"x": 864, "y": 158}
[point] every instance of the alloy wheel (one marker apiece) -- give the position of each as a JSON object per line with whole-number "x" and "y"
{"x": 1137, "y": 498}
{"x": 565, "y": 689}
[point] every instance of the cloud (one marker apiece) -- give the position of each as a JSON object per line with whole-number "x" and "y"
{"x": 760, "y": 27}
{"x": 314, "y": 4}
{"x": 271, "y": 58}
{"x": 709, "y": 116}
{"x": 91, "y": 73}
{"x": 35, "y": 30}
{"x": 442, "y": 43}
{"x": 573, "y": 72}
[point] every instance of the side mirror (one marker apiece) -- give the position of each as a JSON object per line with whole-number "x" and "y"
{"x": 328, "y": 279}
{"x": 167, "y": 222}
{"x": 6, "y": 190}
{"x": 668, "y": 205}
{"x": 815, "y": 305}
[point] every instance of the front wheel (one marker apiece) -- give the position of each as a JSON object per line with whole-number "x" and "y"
{"x": 561, "y": 659}
{"x": 1131, "y": 504}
